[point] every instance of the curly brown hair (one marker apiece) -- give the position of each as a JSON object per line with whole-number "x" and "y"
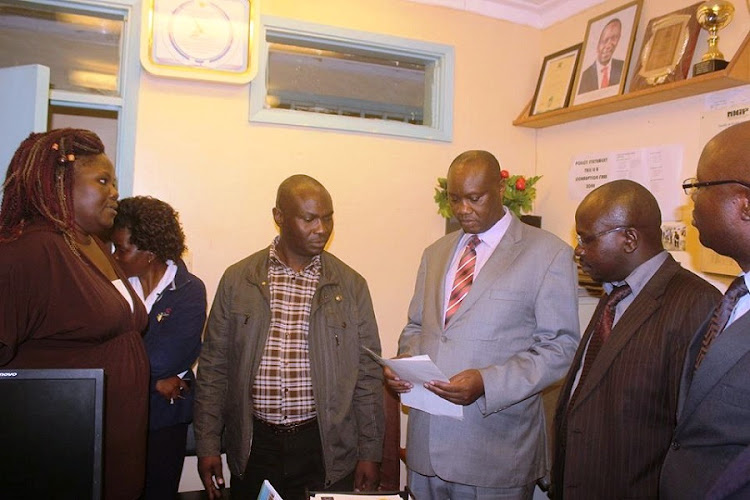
{"x": 39, "y": 181}
{"x": 154, "y": 226}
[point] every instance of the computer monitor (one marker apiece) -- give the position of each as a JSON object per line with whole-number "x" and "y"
{"x": 51, "y": 424}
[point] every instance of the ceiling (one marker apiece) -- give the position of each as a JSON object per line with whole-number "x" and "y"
{"x": 536, "y": 13}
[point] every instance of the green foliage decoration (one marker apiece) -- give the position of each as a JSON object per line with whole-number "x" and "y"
{"x": 520, "y": 193}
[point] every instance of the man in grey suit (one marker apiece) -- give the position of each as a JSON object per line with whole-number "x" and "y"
{"x": 616, "y": 409}
{"x": 713, "y": 411}
{"x": 501, "y": 343}
{"x": 605, "y": 71}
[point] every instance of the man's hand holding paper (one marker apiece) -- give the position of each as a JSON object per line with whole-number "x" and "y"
{"x": 414, "y": 378}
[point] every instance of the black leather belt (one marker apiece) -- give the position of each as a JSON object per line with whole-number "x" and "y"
{"x": 294, "y": 428}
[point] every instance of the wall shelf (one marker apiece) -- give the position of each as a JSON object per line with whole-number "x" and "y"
{"x": 736, "y": 74}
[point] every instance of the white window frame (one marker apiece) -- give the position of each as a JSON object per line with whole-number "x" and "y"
{"x": 126, "y": 104}
{"x": 440, "y": 110}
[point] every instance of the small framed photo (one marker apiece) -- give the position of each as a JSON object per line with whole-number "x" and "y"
{"x": 606, "y": 53}
{"x": 555, "y": 80}
{"x": 667, "y": 50}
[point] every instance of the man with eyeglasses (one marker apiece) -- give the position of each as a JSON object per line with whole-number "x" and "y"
{"x": 710, "y": 455}
{"x": 616, "y": 410}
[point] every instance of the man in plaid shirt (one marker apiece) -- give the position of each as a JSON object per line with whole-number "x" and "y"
{"x": 282, "y": 372}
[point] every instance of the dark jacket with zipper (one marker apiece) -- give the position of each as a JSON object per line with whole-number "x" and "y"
{"x": 347, "y": 382}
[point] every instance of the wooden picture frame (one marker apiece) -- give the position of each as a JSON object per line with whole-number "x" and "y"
{"x": 668, "y": 47}
{"x": 607, "y": 48}
{"x": 555, "y": 82}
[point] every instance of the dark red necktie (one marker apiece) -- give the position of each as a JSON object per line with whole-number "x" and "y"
{"x": 721, "y": 315}
{"x": 601, "y": 333}
{"x": 464, "y": 277}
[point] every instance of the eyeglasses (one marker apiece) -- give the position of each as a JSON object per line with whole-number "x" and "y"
{"x": 691, "y": 185}
{"x": 585, "y": 240}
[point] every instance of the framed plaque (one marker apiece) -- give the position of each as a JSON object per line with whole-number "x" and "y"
{"x": 555, "y": 80}
{"x": 667, "y": 50}
{"x": 606, "y": 53}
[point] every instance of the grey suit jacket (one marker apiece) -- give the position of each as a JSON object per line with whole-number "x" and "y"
{"x": 620, "y": 426}
{"x": 713, "y": 413}
{"x": 519, "y": 327}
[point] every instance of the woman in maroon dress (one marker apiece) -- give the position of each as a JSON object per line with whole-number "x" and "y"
{"x": 63, "y": 301}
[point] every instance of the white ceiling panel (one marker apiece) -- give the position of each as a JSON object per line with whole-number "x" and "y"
{"x": 536, "y": 13}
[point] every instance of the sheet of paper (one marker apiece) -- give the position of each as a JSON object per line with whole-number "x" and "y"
{"x": 418, "y": 370}
{"x": 268, "y": 492}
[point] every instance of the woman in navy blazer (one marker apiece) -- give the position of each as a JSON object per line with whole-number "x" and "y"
{"x": 149, "y": 241}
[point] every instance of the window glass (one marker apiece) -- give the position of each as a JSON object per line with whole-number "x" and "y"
{"x": 326, "y": 77}
{"x": 343, "y": 83}
{"x": 82, "y": 50}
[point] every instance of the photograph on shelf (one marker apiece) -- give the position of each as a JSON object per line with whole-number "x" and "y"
{"x": 555, "y": 82}
{"x": 607, "y": 48}
{"x": 668, "y": 47}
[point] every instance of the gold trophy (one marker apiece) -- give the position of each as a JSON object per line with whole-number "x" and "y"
{"x": 713, "y": 15}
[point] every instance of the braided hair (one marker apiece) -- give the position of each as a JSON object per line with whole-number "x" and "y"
{"x": 39, "y": 182}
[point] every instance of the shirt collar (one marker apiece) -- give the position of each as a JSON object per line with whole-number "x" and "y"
{"x": 494, "y": 234}
{"x": 641, "y": 275}
{"x": 314, "y": 264}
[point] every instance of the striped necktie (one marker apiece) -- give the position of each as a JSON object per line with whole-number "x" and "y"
{"x": 464, "y": 277}
{"x": 605, "y": 77}
{"x": 601, "y": 333}
{"x": 720, "y": 316}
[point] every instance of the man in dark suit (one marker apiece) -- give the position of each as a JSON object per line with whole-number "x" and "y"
{"x": 616, "y": 409}
{"x": 713, "y": 411}
{"x": 502, "y": 342}
{"x": 605, "y": 71}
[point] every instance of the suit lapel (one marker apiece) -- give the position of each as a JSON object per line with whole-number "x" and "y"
{"x": 645, "y": 304}
{"x": 505, "y": 253}
{"x": 725, "y": 351}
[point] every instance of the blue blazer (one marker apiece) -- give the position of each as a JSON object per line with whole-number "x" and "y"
{"x": 173, "y": 342}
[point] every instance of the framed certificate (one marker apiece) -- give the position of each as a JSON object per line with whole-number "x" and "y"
{"x": 555, "y": 80}
{"x": 201, "y": 39}
{"x": 667, "y": 50}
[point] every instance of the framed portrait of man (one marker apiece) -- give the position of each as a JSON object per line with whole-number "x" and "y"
{"x": 606, "y": 53}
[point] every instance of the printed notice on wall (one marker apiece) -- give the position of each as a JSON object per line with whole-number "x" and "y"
{"x": 657, "y": 168}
